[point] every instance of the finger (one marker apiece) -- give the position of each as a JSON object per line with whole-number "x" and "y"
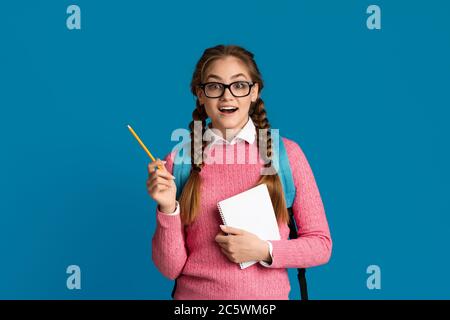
{"x": 153, "y": 165}
{"x": 221, "y": 239}
{"x": 162, "y": 180}
{"x": 225, "y": 251}
{"x": 159, "y": 181}
{"x": 156, "y": 178}
{"x": 229, "y": 255}
{"x": 232, "y": 230}
{"x": 224, "y": 245}
{"x": 161, "y": 173}
{"x": 157, "y": 188}
{"x": 157, "y": 163}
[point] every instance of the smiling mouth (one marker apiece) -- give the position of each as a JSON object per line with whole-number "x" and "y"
{"x": 228, "y": 109}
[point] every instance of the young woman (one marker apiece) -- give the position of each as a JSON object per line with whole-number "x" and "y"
{"x": 189, "y": 243}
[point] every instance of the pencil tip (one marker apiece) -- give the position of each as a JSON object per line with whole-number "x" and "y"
{"x": 128, "y": 126}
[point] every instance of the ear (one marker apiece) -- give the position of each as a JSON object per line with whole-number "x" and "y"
{"x": 255, "y": 92}
{"x": 200, "y": 95}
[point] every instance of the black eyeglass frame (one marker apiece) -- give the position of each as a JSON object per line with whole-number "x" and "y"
{"x": 227, "y": 86}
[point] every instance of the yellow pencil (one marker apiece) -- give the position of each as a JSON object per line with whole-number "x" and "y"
{"x": 142, "y": 144}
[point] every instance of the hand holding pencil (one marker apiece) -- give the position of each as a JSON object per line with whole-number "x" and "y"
{"x": 160, "y": 184}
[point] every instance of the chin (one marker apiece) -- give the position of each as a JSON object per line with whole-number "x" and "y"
{"x": 230, "y": 123}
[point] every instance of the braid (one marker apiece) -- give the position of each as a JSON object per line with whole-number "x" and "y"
{"x": 190, "y": 195}
{"x": 259, "y": 116}
{"x": 199, "y": 114}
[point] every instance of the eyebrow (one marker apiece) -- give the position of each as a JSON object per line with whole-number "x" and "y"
{"x": 232, "y": 77}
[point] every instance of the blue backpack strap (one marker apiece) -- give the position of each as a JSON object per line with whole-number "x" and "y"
{"x": 181, "y": 168}
{"x": 284, "y": 170}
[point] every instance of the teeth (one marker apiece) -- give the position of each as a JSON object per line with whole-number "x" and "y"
{"x": 227, "y": 108}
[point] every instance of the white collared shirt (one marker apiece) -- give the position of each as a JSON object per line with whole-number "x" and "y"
{"x": 247, "y": 133}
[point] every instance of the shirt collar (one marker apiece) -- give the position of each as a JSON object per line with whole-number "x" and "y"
{"x": 247, "y": 133}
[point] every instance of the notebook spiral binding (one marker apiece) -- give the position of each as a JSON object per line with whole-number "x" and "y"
{"x": 221, "y": 215}
{"x": 225, "y": 223}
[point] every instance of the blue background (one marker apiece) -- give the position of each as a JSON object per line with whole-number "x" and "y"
{"x": 370, "y": 109}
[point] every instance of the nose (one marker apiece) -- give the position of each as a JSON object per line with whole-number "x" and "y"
{"x": 227, "y": 94}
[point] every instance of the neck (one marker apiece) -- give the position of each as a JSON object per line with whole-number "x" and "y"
{"x": 229, "y": 133}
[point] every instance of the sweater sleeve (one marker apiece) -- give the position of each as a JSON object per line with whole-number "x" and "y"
{"x": 168, "y": 244}
{"x": 313, "y": 245}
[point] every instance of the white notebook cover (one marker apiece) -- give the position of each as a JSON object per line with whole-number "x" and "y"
{"x": 252, "y": 211}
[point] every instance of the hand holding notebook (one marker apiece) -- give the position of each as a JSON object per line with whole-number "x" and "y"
{"x": 252, "y": 211}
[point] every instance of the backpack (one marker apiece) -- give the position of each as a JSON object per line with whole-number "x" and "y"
{"x": 182, "y": 169}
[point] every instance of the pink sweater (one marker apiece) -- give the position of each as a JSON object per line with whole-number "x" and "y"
{"x": 191, "y": 254}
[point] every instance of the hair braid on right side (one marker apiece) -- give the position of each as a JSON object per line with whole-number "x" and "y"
{"x": 273, "y": 182}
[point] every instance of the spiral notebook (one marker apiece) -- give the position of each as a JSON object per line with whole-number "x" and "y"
{"x": 252, "y": 211}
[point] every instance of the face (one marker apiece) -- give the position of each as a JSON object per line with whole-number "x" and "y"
{"x": 228, "y": 70}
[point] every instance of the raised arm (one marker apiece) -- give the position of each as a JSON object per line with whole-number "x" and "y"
{"x": 168, "y": 243}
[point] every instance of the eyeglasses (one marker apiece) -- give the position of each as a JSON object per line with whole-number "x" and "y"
{"x": 216, "y": 89}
